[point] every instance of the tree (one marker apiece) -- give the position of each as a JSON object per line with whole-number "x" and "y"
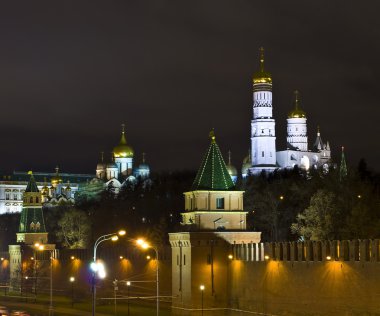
{"x": 74, "y": 229}
{"x": 317, "y": 221}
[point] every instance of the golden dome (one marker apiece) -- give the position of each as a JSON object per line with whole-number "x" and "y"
{"x": 123, "y": 150}
{"x": 296, "y": 112}
{"x": 262, "y": 76}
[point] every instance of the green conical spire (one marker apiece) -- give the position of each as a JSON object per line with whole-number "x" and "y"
{"x": 213, "y": 174}
{"x": 343, "y": 167}
{"x": 32, "y": 185}
{"x": 32, "y": 218}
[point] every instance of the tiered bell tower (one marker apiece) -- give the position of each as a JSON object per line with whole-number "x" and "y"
{"x": 263, "y": 135}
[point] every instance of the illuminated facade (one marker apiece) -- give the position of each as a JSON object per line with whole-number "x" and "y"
{"x": 56, "y": 188}
{"x": 264, "y": 156}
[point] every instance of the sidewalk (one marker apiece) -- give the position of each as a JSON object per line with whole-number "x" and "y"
{"x": 42, "y": 309}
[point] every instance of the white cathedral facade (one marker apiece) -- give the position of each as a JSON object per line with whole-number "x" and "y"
{"x": 263, "y": 155}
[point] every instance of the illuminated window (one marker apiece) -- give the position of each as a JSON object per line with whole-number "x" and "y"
{"x": 220, "y": 203}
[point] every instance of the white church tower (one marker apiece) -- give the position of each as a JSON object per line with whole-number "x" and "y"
{"x": 263, "y": 136}
{"x": 297, "y": 128}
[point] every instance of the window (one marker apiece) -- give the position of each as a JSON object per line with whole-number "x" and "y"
{"x": 15, "y": 196}
{"x": 7, "y": 196}
{"x": 262, "y": 154}
{"x": 184, "y": 260}
{"x": 36, "y": 199}
{"x": 220, "y": 203}
{"x": 31, "y": 200}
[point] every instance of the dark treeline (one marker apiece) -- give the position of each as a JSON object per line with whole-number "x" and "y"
{"x": 290, "y": 205}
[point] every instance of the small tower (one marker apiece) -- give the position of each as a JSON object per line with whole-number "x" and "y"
{"x": 297, "y": 128}
{"x": 213, "y": 220}
{"x": 124, "y": 155}
{"x": 112, "y": 169}
{"x": 32, "y": 224}
{"x": 263, "y": 135}
{"x": 142, "y": 171}
{"x": 101, "y": 168}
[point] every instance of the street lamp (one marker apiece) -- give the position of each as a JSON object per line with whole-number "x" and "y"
{"x": 202, "y": 288}
{"x": 144, "y": 245}
{"x": 128, "y": 286}
{"x": 41, "y": 247}
{"x": 98, "y": 268}
{"x": 72, "y": 280}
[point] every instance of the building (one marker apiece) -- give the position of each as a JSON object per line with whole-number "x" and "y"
{"x": 31, "y": 233}
{"x": 120, "y": 170}
{"x": 264, "y": 156}
{"x": 213, "y": 220}
{"x": 56, "y": 188}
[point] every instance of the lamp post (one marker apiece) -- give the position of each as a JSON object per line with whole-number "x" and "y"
{"x": 95, "y": 267}
{"x": 128, "y": 286}
{"x": 72, "y": 280}
{"x": 202, "y": 288}
{"x": 143, "y": 244}
{"x": 42, "y": 248}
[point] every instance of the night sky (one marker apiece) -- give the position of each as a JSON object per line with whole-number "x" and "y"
{"x": 72, "y": 71}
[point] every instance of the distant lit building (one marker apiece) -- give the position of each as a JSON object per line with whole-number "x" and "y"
{"x": 120, "y": 171}
{"x": 264, "y": 156}
{"x": 56, "y": 188}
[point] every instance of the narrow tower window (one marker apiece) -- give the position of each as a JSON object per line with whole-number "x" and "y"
{"x": 220, "y": 203}
{"x": 262, "y": 154}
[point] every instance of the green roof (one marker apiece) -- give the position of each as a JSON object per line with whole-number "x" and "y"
{"x": 32, "y": 220}
{"x": 213, "y": 173}
{"x": 32, "y": 185}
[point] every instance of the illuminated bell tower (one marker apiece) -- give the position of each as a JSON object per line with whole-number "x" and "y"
{"x": 297, "y": 129}
{"x": 263, "y": 136}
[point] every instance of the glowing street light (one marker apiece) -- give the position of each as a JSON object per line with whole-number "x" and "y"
{"x": 230, "y": 256}
{"x": 144, "y": 245}
{"x": 41, "y": 247}
{"x": 202, "y": 288}
{"x": 328, "y": 258}
{"x": 128, "y": 286}
{"x": 97, "y": 267}
{"x": 72, "y": 280}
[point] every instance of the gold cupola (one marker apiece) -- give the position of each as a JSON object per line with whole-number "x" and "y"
{"x": 123, "y": 150}
{"x": 297, "y": 112}
{"x": 262, "y": 76}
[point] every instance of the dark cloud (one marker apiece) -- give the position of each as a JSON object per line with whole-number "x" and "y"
{"x": 72, "y": 71}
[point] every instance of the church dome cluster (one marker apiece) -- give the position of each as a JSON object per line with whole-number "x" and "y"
{"x": 120, "y": 170}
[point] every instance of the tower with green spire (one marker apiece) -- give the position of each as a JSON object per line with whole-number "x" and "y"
{"x": 343, "y": 166}
{"x": 32, "y": 224}
{"x": 213, "y": 220}
{"x": 213, "y": 203}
